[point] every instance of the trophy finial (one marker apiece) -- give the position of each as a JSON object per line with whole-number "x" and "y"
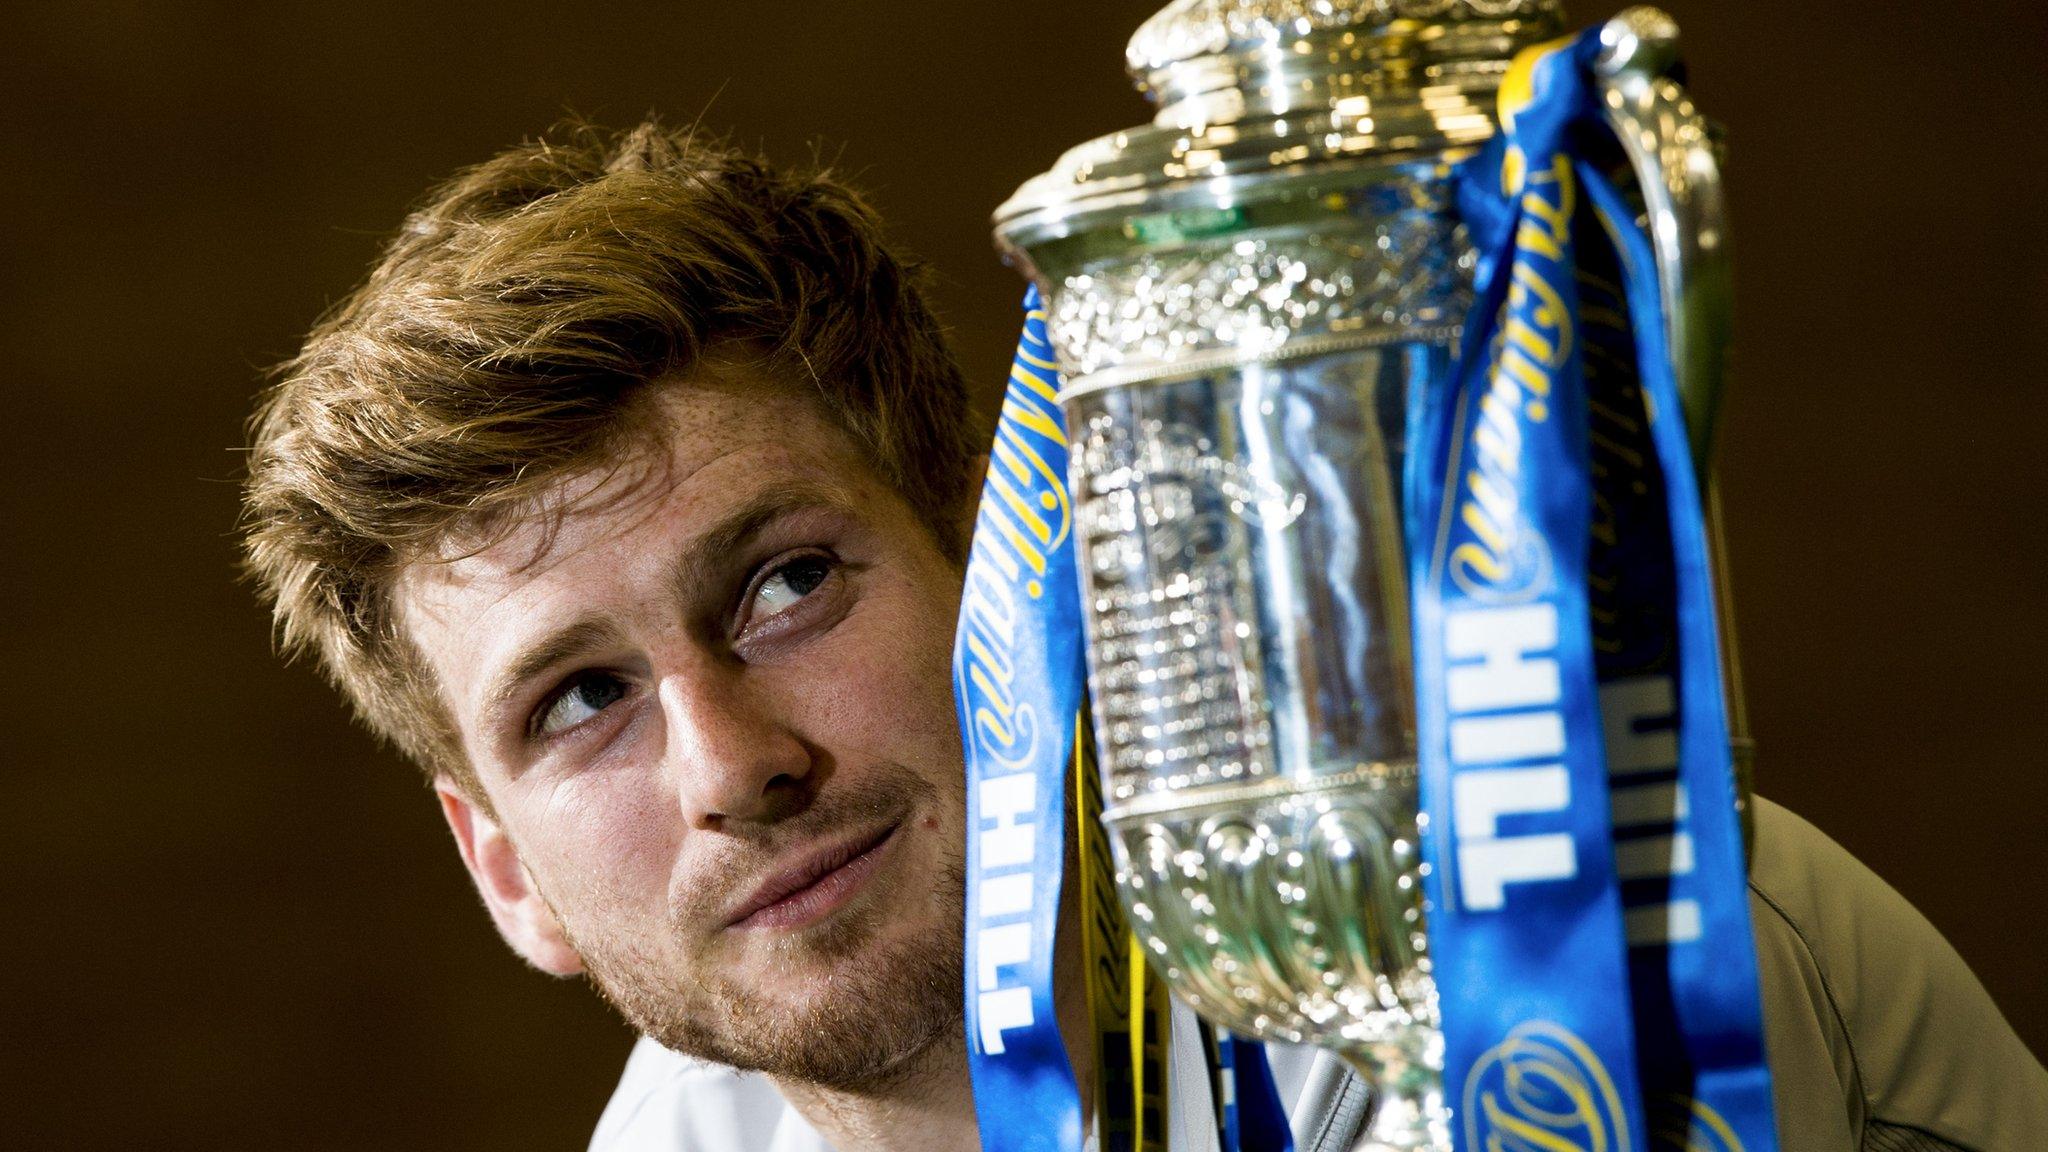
{"x": 1193, "y": 51}
{"x": 1639, "y": 39}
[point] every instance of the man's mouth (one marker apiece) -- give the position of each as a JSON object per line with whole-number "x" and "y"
{"x": 816, "y": 884}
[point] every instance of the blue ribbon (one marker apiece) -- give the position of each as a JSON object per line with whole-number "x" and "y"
{"x": 1693, "y": 970}
{"x": 1589, "y": 910}
{"x": 1261, "y": 1121}
{"x": 1018, "y": 679}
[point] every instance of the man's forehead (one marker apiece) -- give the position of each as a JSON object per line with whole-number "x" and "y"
{"x": 709, "y": 444}
{"x": 716, "y": 455}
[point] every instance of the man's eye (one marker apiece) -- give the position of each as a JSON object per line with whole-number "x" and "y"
{"x": 789, "y": 584}
{"x": 579, "y": 700}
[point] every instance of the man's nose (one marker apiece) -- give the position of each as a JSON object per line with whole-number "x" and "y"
{"x": 732, "y": 755}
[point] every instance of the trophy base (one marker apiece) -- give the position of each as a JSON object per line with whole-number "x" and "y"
{"x": 1408, "y": 1109}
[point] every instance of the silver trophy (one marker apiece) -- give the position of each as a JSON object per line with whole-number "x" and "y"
{"x": 1244, "y": 295}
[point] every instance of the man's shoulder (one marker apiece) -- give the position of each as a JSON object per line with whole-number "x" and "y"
{"x": 1871, "y": 1018}
{"x": 667, "y": 1102}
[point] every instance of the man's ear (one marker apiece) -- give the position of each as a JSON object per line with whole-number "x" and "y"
{"x": 523, "y": 918}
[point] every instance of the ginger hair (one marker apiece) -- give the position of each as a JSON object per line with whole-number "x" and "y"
{"x": 508, "y": 338}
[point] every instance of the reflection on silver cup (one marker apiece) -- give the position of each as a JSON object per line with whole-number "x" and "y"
{"x": 1241, "y": 550}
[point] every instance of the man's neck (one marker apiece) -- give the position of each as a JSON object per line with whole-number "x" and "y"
{"x": 927, "y": 1105}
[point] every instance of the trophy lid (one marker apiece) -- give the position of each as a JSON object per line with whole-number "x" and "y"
{"x": 1254, "y": 91}
{"x": 1186, "y": 48}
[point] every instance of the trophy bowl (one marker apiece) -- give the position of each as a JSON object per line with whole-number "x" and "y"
{"x": 1246, "y": 296}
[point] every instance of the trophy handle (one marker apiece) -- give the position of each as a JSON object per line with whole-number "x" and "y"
{"x": 1667, "y": 143}
{"x": 1669, "y": 146}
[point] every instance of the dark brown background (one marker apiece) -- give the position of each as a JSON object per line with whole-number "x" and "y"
{"x": 232, "y": 922}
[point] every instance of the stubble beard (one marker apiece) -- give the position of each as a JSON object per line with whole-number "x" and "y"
{"x": 882, "y": 1014}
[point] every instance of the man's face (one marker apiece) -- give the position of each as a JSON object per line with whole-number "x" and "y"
{"x": 712, "y": 712}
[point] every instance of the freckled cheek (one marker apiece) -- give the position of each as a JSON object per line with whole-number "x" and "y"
{"x": 883, "y": 693}
{"x": 887, "y": 682}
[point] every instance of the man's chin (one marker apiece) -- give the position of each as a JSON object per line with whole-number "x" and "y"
{"x": 819, "y": 1012}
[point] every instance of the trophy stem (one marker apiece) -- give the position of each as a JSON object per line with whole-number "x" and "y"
{"x": 1408, "y": 1109}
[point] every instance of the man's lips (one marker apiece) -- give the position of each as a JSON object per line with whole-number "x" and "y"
{"x": 815, "y": 884}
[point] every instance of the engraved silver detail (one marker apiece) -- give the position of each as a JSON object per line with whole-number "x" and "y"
{"x": 1174, "y": 688}
{"x": 1250, "y": 296}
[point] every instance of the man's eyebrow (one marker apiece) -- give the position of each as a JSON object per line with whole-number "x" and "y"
{"x": 557, "y": 647}
{"x": 711, "y": 551}
{"x": 695, "y": 567}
